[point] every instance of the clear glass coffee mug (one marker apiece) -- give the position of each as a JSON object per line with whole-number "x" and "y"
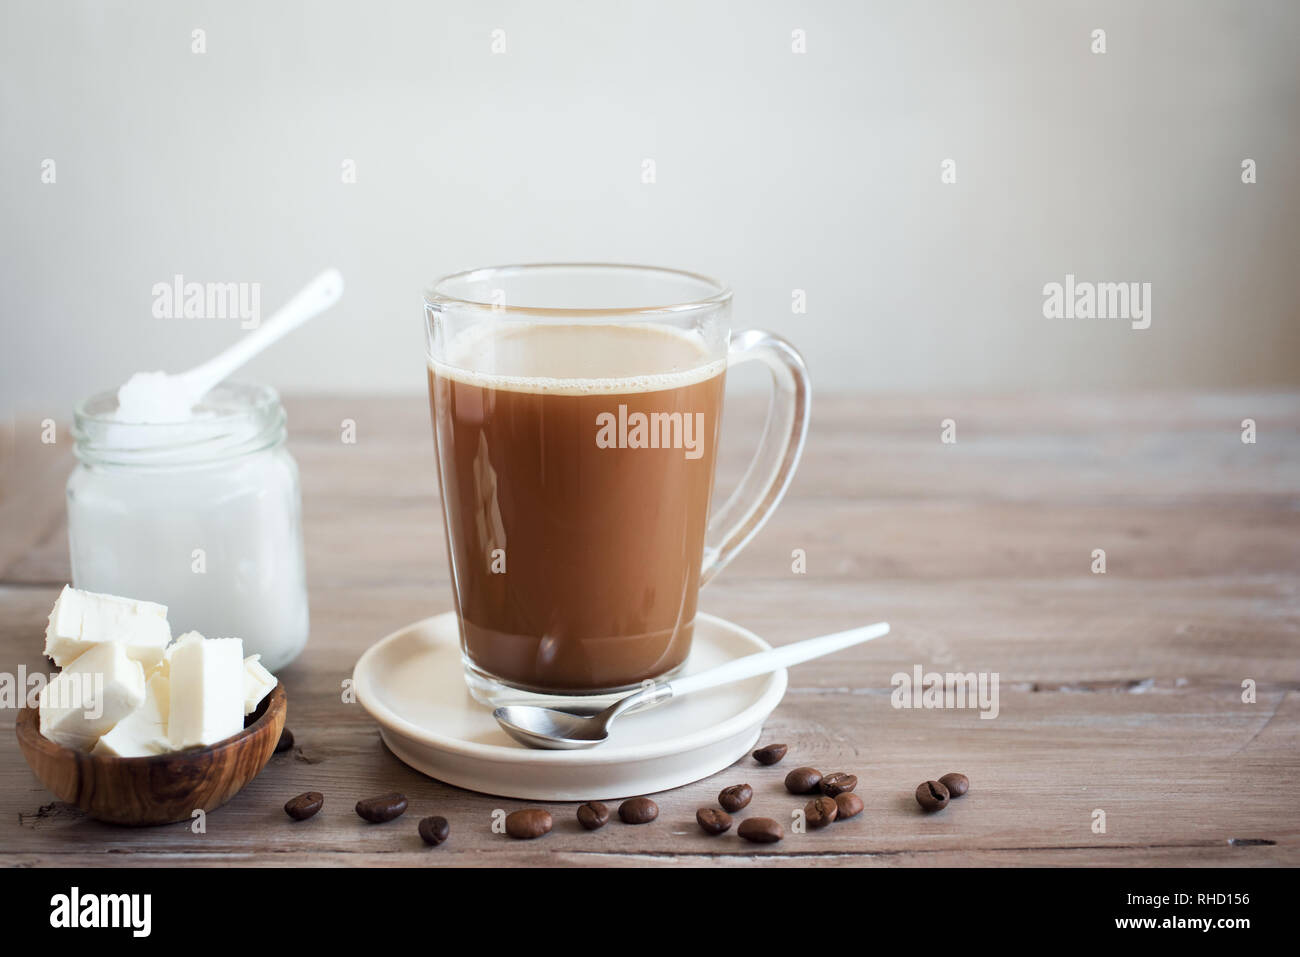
{"x": 576, "y": 412}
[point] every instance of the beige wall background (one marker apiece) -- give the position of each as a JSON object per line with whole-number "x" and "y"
{"x": 775, "y": 170}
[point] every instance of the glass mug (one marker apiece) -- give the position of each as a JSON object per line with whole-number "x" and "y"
{"x": 576, "y": 413}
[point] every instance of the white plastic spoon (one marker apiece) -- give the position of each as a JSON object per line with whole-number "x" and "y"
{"x": 156, "y": 397}
{"x": 558, "y": 730}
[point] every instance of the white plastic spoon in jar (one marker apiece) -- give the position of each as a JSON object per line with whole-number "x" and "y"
{"x": 159, "y": 397}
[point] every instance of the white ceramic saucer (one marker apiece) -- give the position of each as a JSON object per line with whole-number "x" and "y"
{"x": 413, "y": 684}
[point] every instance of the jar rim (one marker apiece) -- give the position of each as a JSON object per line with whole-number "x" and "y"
{"x": 226, "y": 400}
{"x": 234, "y": 419}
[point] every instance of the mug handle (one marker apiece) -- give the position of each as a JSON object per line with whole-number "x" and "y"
{"x": 779, "y": 449}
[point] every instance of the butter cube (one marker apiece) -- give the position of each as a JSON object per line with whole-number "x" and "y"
{"x": 81, "y": 620}
{"x": 258, "y": 683}
{"x": 207, "y": 690}
{"x": 144, "y": 731}
{"x": 90, "y": 696}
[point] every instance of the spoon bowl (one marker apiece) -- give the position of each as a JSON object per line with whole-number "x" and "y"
{"x": 548, "y": 728}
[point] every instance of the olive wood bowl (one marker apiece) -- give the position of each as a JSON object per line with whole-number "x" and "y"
{"x": 161, "y": 788}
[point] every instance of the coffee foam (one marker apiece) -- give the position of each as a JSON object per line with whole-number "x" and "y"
{"x": 493, "y": 359}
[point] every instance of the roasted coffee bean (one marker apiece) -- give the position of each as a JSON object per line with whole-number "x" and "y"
{"x": 434, "y": 830}
{"x": 932, "y": 795}
{"x": 770, "y": 753}
{"x": 383, "y": 808}
{"x": 840, "y": 782}
{"x": 529, "y": 823}
{"x": 285, "y": 743}
{"x": 956, "y": 783}
{"x": 713, "y": 821}
{"x": 820, "y": 811}
{"x": 803, "y": 780}
{"x": 735, "y": 797}
{"x": 638, "y": 811}
{"x": 761, "y": 830}
{"x": 304, "y": 805}
{"x": 847, "y": 805}
{"x": 593, "y": 815}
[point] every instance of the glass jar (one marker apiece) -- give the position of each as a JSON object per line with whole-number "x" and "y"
{"x": 203, "y": 516}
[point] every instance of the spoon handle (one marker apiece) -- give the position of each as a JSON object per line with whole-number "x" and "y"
{"x": 314, "y": 298}
{"x": 767, "y": 661}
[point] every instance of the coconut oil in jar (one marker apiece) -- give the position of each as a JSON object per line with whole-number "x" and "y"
{"x": 203, "y": 516}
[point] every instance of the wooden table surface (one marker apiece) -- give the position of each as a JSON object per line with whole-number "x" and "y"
{"x": 1120, "y": 692}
